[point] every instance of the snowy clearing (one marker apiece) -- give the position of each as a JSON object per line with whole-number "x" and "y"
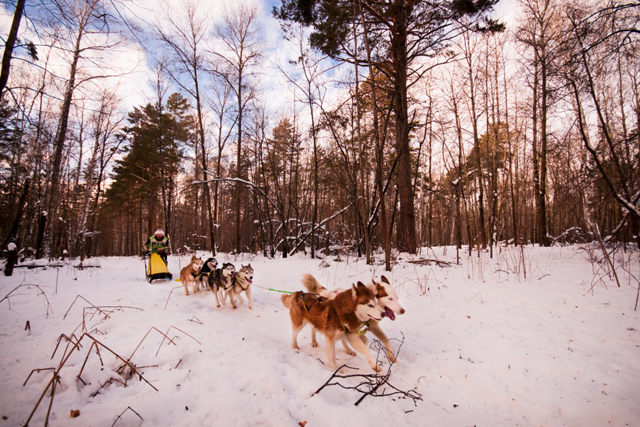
{"x": 483, "y": 346}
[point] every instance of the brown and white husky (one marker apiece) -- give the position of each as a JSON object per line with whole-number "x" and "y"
{"x": 387, "y": 299}
{"x": 189, "y": 273}
{"x": 341, "y": 317}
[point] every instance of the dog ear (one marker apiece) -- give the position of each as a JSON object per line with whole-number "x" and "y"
{"x": 379, "y": 288}
{"x": 354, "y": 292}
{"x": 361, "y": 285}
{"x": 384, "y": 280}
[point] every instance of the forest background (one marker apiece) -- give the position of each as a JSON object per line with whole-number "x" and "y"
{"x": 320, "y": 126}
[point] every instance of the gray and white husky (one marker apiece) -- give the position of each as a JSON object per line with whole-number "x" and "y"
{"x": 242, "y": 283}
{"x": 221, "y": 282}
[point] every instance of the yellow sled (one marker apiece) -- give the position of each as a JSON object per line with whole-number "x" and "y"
{"x": 157, "y": 269}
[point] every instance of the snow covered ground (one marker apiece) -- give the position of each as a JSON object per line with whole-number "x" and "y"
{"x": 483, "y": 345}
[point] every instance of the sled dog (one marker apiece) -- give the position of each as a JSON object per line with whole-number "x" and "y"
{"x": 209, "y": 267}
{"x": 242, "y": 283}
{"x": 337, "y": 318}
{"x": 189, "y": 273}
{"x": 387, "y": 299}
{"x": 221, "y": 282}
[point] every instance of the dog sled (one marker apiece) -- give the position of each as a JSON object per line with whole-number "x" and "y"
{"x": 157, "y": 269}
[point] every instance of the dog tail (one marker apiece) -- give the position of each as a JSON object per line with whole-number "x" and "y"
{"x": 312, "y": 284}
{"x": 287, "y": 299}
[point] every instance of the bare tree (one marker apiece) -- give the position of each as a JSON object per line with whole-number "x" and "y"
{"x": 79, "y": 20}
{"x": 237, "y": 57}
{"x": 540, "y": 32}
{"x": 593, "y": 39}
{"x": 10, "y": 44}
{"x": 104, "y": 125}
{"x": 185, "y": 37}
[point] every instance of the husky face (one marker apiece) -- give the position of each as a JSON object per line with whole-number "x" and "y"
{"x": 245, "y": 273}
{"x": 213, "y": 264}
{"x": 367, "y": 307}
{"x": 196, "y": 263}
{"x": 388, "y": 298}
{"x": 228, "y": 270}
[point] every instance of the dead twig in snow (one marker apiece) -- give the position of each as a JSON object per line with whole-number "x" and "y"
{"x": 7, "y": 297}
{"x": 165, "y": 336}
{"x": 76, "y": 345}
{"x": 167, "y": 303}
{"x": 122, "y": 413}
{"x": 371, "y": 384}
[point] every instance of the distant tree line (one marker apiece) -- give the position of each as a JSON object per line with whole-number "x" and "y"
{"x": 412, "y": 124}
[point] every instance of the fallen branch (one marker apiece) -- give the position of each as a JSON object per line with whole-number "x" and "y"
{"x": 370, "y": 384}
{"x": 428, "y": 261}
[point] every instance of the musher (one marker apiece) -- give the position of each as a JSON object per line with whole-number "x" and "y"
{"x": 158, "y": 243}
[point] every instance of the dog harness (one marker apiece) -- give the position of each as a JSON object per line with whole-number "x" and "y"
{"x": 226, "y": 288}
{"x": 241, "y": 281}
{"x": 363, "y": 329}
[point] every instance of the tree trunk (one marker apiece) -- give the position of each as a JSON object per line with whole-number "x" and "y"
{"x": 15, "y": 226}
{"x": 9, "y": 45}
{"x": 407, "y": 232}
{"x": 59, "y": 142}
{"x": 207, "y": 193}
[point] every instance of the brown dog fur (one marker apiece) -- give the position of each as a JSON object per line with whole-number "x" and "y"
{"x": 337, "y": 318}
{"x": 188, "y": 274}
{"x": 380, "y": 291}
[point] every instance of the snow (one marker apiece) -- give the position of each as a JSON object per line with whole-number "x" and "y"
{"x": 11, "y": 246}
{"x": 483, "y": 344}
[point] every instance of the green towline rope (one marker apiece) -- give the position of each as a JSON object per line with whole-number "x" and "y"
{"x": 278, "y": 290}
{"x": 274, "y": 290}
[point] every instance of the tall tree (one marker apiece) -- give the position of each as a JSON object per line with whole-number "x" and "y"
{"x": 78, "y": 21}
{"x": 184, "y": 36}
{"x": 237, "y": 57}
{"x": 403, "y": 31}
{"x": 540, "y": 32}
{"x": 594, "y": 37}
{"x": 156, "y": 139}
{"x": 10, "y": 44}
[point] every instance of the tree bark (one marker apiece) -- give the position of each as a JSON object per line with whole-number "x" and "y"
{"x": 407, "y": 232}
{"x": 9, "y": 45}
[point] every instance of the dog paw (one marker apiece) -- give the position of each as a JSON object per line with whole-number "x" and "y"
{"x": 376, "y": 368}
{"x": 351, "y": 353}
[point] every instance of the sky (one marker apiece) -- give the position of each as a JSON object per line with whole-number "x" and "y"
{"x": 137, "y": 64}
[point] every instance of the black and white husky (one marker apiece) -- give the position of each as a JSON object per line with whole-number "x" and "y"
{"x": 221, "y": 282}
